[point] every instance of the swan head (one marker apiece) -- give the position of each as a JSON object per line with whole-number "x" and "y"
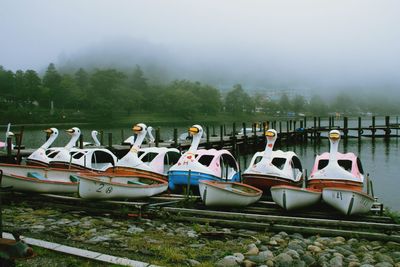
{"x": 151, "y": 137}
{"x": 139, "y": 128}
{"x": 75, "y": 131}
{"x": 195, "y": 130}
{"x": 334, "y": 136}
{"x": 95, "y": 133}
{"x": 51, "y": 131}
{"x": 271, "y": 135}
{"x": 9, "y": 133}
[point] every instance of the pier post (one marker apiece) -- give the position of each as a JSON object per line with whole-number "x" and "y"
{"x": 9, "y": 147}
{"x": 234, "y": 138}
{"x": 207, "y": 137}
{"x": 264, "y": 138}
{"x": 157, "y": 142}
{"x": 175, "y": 137}
{"x": 330, "y": 123}
{"x": 221, "y": 135}
{"x": 109, "y": 140}
{"x": 280, "y": 127}
{"x": 373, "y": 127}
{"x": 360, "y": 131}
{"x": 213, "y": 134}
{"x": 387, "y": 125}
{"x": 224, "y": 130}
{"x": 81, "y": 141}
{"x": 255, "y": 137}
{"x": 333, "y": 121}
{"x": 101, "y": 137}
{"x": 319, "y": 122}
{"x": 345, "y": 127}
{"x": 305, "y": 122}
{"x": 122, "y": 136}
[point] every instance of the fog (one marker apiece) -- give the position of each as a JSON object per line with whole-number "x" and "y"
{"x": 319, "y": 45}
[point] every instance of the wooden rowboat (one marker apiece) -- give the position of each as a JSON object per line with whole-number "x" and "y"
{"x": 348, "y": 201}
{"x": 102, "y": 186}
{"x": 216, "y": 193}
{"x": 39, "y": 179}
{"x": 292, "y": 197}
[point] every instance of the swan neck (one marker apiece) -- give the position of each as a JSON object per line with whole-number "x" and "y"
{"x": 195, "y": 143}
{"x": 49, "y": 141}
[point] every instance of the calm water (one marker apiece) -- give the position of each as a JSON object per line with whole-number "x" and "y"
{"x": 380, "y": 158}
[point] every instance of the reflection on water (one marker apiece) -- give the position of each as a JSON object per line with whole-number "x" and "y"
{"x": 380, "y": 158}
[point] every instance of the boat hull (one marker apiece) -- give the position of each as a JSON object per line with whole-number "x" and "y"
{"x": 183, "y": 178}
{"x": 42, "y": 180}
{"x": 291, "y": 198}
{"x": 228, "y": 194}
{"x": 347, "y": 201}
{"x": 117, "y": 187}
{"x": 265, "y": 182}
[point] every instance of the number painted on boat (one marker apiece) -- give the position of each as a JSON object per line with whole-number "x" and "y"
{"x": 100, "y": 188}
{"x": 107, "y": 189}
{"x": 337, "y": 195}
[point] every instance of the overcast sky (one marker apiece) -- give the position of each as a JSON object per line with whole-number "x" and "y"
{"x": 299, "y": 43}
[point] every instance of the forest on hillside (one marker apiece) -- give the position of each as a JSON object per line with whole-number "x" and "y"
{"x": 109, "y": 93}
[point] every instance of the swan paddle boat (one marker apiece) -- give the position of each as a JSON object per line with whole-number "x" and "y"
{"x": 95, "y": 158}
{"x": 271, "y": 168}
{"x": 152, "y": 161}
{"x": 232, "y": 194}
{"x": 341, "y": 180}
{"x": 196, "y": 165}
{"x": 96, "y": 142}
{"x": 103, "y": 186}
{"x": 39, "y": 179}
{"x": 43, "y": 155}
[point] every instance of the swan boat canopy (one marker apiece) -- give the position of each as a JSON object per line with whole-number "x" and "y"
{"x": 97, "y": 159}
{"x": 196, "y": 165}
{"x": 271, "y": 168}
{"x": 340, "y": 177}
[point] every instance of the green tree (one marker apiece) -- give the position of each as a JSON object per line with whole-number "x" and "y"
{"x": 138, "y": 81}
{"x": 284, "y": 103}
{"x": 7, "y": 79}
{"x": 238, "y": 101}
{"x": 317, "y": 106}
{"x": 298, "y": 103}
{"x": 52, "y": 80}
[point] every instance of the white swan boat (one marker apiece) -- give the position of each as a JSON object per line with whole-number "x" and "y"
{"x": 203, "y": 164}
{"x": 232, "y": 194}
{"x": 340, "y": 177}
{"x": 3, "y": 145}
{"x": 39, "y": 179}
{"x": 102, "y": 186}
{"x": 271, "y": 168}
{"x": 43, "y": 155}
{"x": 293, "y": 197}
{"x": 153, "y": 161}
{"x": 94, "y": 159}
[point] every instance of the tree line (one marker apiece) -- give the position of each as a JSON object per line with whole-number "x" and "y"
{"x": 104, "y": 94}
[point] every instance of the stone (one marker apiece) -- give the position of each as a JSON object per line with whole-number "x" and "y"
{"x": 248, "y": 263}
{"x": 354, "y": 264}
{"x": 270, "y": 263}
{"x": 228, "y": 261}
{"x": 239, "y": 256}
{"x": 383, "y": 258}
{"x": 252, "y": 249}
{"x": 293, "y": 253}
{"x": 314, "y": 249}
{"x": 273, "y": 243}
{"x": 262, "y": 257}
{"x": 135, "y": 230}
{"x": 283, "y": 260}
{"x": 308, "y": 259}
{"x": 336, "y": 261}
{"x": 298, "y": 263}
{"x": 192, "y": 234}
{"x": 384, "y": 264}
{"x": 192, "y": 262}
{"x": 98, "y": 239}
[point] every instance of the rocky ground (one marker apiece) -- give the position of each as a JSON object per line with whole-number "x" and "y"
{"x": 169, "y": 243}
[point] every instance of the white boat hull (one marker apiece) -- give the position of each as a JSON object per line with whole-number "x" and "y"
{"x": 51, "y": 181}
{"x": 108, "y": 187}
{"x": 348, "y": 202}
{"x": 291, "y": 198}
{"x": 228, "y": 194}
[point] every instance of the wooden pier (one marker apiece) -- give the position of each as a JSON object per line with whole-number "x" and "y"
{"x": 244, "y": 139}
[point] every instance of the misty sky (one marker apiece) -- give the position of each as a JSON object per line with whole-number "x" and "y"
{"x": 282, "y": 44}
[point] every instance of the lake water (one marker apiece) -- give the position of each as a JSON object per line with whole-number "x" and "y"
{"x": 380, "y": 158}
